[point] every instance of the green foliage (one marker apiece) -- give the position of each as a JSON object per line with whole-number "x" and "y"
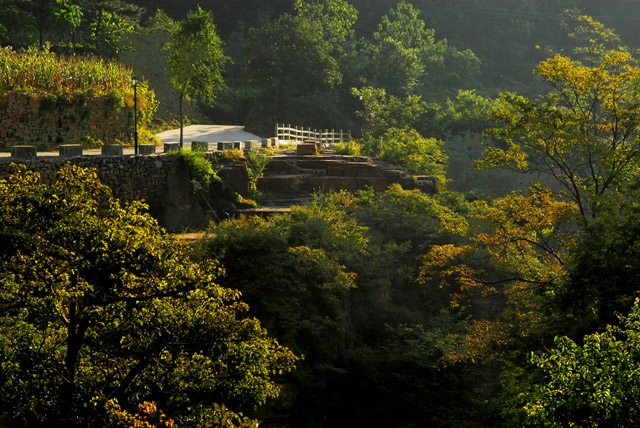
{"x": 404, "y": 58}
{"x": 412, "y": 216}
{"x": 380, "y": 111}
{"x": 335, "y": 18}
{"x": 70, "y": 15}
{"x": 256, "y": 163}
{"x": 352, "y": 148}
{"x": 590, "y": 385}
{"x": 196, "y": 58}
{"x": 583, "y": 133}
{"x": 44, "y": 72}
{"x": 200, "y": 167}
{"x": 299, "y": 298}
{"x": 108, "y": 32}
{"x": 274, "y": 51}
{"x": 99, "y": 303}
{"x": 212, "y": 193}
{"x": 336, "y": 282}
{"x": 419, "y": 155}
{"x": 604, "y": 265}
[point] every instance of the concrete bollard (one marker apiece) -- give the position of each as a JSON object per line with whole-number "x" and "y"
{"x": 171, "y": 147}
{"x": 111, "y": 150}
{"x": 225, "y": 145}
{"x": 251, "y": 145}
{"x": 24, "y": 152}
{"x": 146, "y": 149}
{"x": 200, "y": 146}
{"x": 70, "y": 150}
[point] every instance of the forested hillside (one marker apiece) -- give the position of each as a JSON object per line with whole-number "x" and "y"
{"x": 505, "y": 295}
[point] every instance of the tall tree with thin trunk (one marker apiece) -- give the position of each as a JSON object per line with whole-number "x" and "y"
{"x": 196, "y": 59}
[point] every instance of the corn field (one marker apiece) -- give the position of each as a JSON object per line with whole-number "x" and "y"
{"x": 44, "y": 72}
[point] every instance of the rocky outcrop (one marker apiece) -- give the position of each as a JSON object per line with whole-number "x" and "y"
{"x": 164, "y": 182}
{"x": 292, "y": 175}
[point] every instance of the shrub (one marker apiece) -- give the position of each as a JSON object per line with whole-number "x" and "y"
{"x": 256, "y": 163}
{"x": 418, "y": 154}
{"x": 352, "y": 148}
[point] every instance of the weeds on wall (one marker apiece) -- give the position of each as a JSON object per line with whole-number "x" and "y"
{"x": 200, "y": 168}
{"x": 256, "y": 163}
{"x": 207, "y": 185}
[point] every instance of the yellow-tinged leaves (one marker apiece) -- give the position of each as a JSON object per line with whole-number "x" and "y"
{"x": 584, "y": 133}
{"x": 527, "y": 238}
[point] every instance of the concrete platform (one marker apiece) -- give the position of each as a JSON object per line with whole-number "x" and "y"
{"x": 208, "y": 133}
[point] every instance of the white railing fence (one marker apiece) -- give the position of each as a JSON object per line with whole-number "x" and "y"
{"x": 300, "y": 134}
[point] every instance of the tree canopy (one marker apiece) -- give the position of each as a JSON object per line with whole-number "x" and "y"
{"x": 196, "y": 58}
{"x": 100, "y": 306}
{"x": 584, "y": 131}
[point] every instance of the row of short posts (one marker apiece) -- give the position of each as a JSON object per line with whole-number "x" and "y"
{"x": 72, "y": 150}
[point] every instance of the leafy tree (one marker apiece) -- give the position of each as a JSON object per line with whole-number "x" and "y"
{"x": 300, "y": 296}
{"x": 590, "y": 385}
{"x": 296, "y": 64}
{"x": 335, "y": 18}
{"x": 584, "y": 132}
{"x": 102, "y": 311}
{"x": 196, "y": 58}
{"x": 108, "y": 32}
{"x": 256, "y": 163}
{"x": 404, "y": 57}
{"x": 468, "y": 111}
{"x": 70, "y": 16}
{"x": 515, "y": 260}
{"x": 602, "y": 273}
{"x": 15, "y": 24}
{"x": 419, "y": 155}
{"x": 41, "y": 11}
{"x": 336, "y": 282}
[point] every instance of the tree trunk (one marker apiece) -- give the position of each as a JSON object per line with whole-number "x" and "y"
{"x": 181, "y": 117}
{"x": 75, "y": 336}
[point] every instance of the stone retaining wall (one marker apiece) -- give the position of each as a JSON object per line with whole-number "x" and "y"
{"x": 129, "y": 177}
{"x": 164, "y": 182}
{"x": 48, "y": 120}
